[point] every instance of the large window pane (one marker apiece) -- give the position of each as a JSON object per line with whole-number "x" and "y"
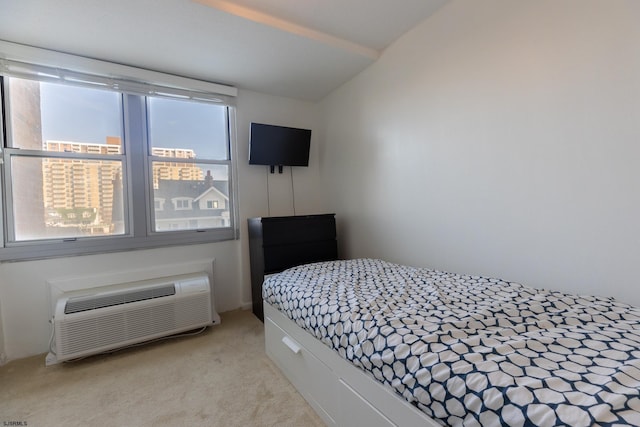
{"x": 66, "y": 198}
{"x": 190, "y": 185}
{"x": 190, "y": 196}
{"x": 187, "y": 129}
{"x": 62, "y": 118}
{"x": 54, "y": 197}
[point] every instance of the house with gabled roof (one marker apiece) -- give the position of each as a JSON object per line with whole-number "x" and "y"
{"x": 191, "y": 204}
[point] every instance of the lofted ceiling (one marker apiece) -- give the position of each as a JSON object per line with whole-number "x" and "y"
{"x": 299, "y": 49}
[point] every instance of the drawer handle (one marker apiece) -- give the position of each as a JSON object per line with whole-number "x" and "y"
{"x": 293, "y": 346}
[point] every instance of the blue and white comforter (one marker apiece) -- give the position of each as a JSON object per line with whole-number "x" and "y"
{"x": 469, "y": 350}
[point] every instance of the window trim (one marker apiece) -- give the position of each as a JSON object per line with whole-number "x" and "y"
{"x": 136, "y": 185}
{"x": 160, "y": 203}
{"x": 180, "y": 201}
{"x": 214, "y": 205}
{"x": 21, "y": 61}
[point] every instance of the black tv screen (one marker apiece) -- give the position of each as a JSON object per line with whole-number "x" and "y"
{"x": 278, "y": 145}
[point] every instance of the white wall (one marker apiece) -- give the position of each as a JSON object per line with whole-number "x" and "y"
{"x": 3, "y": 354}
{"x": 255, "y": 201}
{"x": 499, "y": 138}
{"x": 24, "y": 305}
{"x": 24, "y": 294}
{"x": 305, "y": 194}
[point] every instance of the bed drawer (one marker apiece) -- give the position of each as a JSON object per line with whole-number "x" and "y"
{"x": 313, "y": 379}
{"x": 357, "y": 411}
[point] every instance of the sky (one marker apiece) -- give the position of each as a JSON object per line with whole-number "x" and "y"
{"x": 79, "y": 114}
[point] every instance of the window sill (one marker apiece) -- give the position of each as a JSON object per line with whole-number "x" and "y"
{"x": 58, "y": 249}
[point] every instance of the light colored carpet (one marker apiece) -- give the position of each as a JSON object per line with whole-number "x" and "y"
{"x": 219, "y": 378}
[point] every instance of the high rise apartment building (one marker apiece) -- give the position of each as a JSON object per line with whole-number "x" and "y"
{"x": 82, "y": 191}
{"x": 175, "y": 170}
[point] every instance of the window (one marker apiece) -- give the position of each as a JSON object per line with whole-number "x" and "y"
{"x": 181, "y": 204}
{"x": 188, "y": 159}
{"x": 63, "y": 156}
{"x": 87, "y": 166}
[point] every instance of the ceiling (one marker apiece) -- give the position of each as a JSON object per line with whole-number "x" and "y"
{"x": 299, "y": 49}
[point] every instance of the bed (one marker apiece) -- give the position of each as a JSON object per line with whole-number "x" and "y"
{"x": 369, "y": 342}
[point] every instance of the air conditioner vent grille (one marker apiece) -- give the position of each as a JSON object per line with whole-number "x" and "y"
{"x": 108, "y": 330}
{"x": 95, "y": 320}
{"x": 92, "y": 302}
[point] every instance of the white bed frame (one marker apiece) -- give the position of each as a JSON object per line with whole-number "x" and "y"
{"x": 341, "y": 393}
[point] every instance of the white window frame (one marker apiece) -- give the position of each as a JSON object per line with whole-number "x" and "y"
{"x": 158, "y": 204}
{"x": 40, "y": 64}
{"x": 180, "y": 202}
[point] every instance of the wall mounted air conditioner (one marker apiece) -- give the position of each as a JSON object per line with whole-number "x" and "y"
{"x": 100, "y": 319}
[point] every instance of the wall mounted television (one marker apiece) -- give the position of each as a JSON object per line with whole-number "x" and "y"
{"x": 280, "y": 146}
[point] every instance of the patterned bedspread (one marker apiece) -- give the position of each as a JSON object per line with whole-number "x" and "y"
{"x": 470, "y": 350}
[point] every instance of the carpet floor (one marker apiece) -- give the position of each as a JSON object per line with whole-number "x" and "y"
{"x": 221, "y": 377}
